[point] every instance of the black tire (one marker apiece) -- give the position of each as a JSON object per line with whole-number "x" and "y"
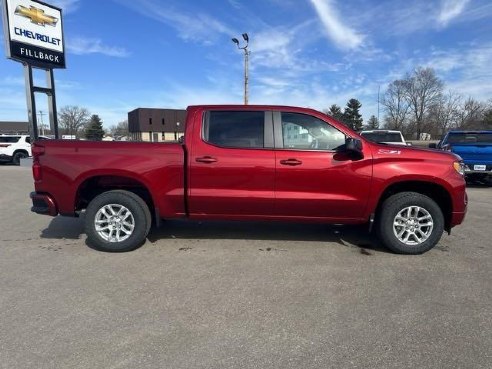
{"x": 394, "y": 205}
{"x": 477, "y": 178}
{"x": 18, "y": 156}
{"x": 488, "y": 181}
{"x": 140, "y": 218}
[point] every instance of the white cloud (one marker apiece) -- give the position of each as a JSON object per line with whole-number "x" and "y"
{"x": 68, "y": 6}
{"x": 198, "y": 27}
{"x": 286, "y": 49}
{"x": 450, "y": 9}
{"x": 235, "y": 4}
{"x": 82, "y": 46}
{"x": 476, "y": 13}
{"x": 392, "y": 19}
{"x": 342, "y": 35}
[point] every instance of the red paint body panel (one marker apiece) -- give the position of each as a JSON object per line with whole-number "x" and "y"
{"x": 402, "y": 164}
{"x": 239, "y": 183}
{"x": 326, "y": 184}
{"x": 203, "y": 181}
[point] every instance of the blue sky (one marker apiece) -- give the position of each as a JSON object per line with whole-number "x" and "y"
{"x": 125, "y": 54}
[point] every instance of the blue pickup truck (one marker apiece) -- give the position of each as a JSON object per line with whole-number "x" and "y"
{"x": 475, "y": 148}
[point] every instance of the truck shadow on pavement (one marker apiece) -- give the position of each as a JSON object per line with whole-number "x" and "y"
{"x": 348, "y": 236}
{"x": 64, "y": 228}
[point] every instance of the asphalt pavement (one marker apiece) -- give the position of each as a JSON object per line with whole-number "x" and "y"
{"x": 239, "y": 295}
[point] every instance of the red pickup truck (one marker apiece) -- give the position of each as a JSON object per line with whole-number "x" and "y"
{"x": 252, "y": 163}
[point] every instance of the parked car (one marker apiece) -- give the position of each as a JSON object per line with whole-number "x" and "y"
{"x": 13, "y": 148}
{"x": 385, "y": 136}
{"x": 252, "y": 163}
{"x": 475, "y": 148}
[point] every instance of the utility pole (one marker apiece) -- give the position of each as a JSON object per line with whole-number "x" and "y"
{"x": 42, "y": 124}
{"x": 246, "y": 64}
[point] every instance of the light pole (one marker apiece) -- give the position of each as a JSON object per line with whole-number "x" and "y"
{"x": 246, "y": 64}
{"x": 379, "y": 89}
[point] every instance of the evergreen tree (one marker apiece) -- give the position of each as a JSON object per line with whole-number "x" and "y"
{"x": 372, "y": 123}
{"x": 336, "y": 112}
{"x": 352, "y": 117}
{"x": 94, "y": 130}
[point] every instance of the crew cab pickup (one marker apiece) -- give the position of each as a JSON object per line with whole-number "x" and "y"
{"x": 264, "y": 163}
{"x": 475, "y": 148}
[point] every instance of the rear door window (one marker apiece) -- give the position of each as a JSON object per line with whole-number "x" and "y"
{"x": 235, "y": 129}
{"x": 9, "y": 139}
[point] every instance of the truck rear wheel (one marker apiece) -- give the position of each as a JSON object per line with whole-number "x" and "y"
{"x": 410, "y": 223}
{"x": 117, "y": 221}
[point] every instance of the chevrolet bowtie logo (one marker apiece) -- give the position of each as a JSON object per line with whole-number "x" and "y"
{"x": 36, "y": 15}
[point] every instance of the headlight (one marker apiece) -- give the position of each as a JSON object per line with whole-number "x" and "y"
{"x": 459, "y": 166}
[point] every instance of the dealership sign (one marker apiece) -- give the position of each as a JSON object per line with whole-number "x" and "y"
{"x": 34, "y": 33}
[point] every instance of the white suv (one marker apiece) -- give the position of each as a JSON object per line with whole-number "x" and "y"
{"x": 14, "y": 147}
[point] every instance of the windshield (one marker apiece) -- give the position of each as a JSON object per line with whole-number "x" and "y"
{"x": 382, "y": 136}
{"x": 470, "y": 138}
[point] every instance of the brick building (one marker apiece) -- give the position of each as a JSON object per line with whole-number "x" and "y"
{"x": 14, "y": 128}
{"x": 156, "y": 125}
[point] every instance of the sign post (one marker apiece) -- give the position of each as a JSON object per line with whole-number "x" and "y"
{"x": 34, "y": 36}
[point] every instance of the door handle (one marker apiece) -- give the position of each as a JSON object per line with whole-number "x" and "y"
{"x": 206, "y": 159}
{"x": 291, "y": 162}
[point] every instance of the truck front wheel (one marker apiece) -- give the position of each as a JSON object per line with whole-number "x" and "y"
{"x": 410, "y": 223}
{"x": 117, "y": 221}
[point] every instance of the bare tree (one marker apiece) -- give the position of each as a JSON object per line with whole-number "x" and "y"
{"x": 72, "y": 119}
{"x": 422, "y": 89}
{"x": 443, "y": 115}
{"x": 396, "y": 105}
{"x": 120, "y": 129}
{"x": 487, "y": 123}
{"x": 471, "y": 114}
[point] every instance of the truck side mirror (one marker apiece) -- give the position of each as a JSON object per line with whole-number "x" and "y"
{"x": 353, "y": 145}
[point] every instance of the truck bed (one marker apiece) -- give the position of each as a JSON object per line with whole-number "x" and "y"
{"x": 72, "y": 165}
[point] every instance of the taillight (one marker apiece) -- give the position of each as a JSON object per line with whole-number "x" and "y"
{"x": 37, "y": 172}
{"x": 37, "y": 151}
